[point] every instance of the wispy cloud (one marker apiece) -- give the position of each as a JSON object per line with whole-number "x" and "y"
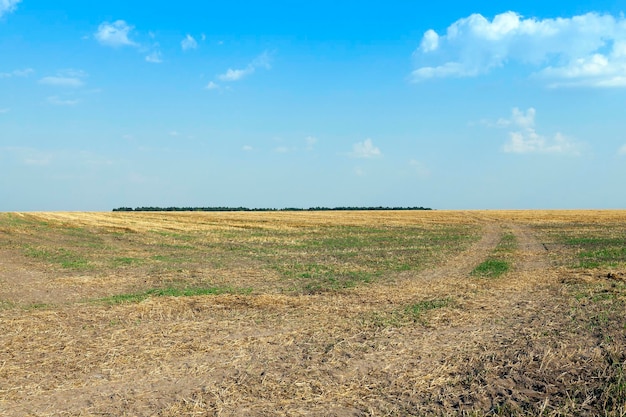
{"x": 43, "y": 158}
{"x": 2, "y": 111}
{"x": 188, "y": 43}
{"x": 154, "y": 57}
{"x": 584, "y": 50}
{"x": 29, "y": 156}
{"x": 247, "y": 148}
{"x": 212, "y": 86}
{"x": 115, "y": 34}
{"x": 310, "y": 142}
{"x": 365, "y": 149}
{"x": 622, "y": 150}
{"x": 62, "y": 81}
{"x": 8, "y": 6}
{"x": 235, "y": 75}
{"x": 59, "y": 101}
{"x": 17, "y": 73}
{"x": 66, "y": 78}
{"x": 262, "y": 61}
{"x": 523, "y": 137}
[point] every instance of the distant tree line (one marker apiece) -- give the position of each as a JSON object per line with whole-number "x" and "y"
{"x": 266, "y": 209}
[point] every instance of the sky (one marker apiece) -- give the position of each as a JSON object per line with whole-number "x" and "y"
{"x": 448, "y": 105}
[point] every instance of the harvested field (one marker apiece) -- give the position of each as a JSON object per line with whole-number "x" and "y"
{"x": 313, "y": 313}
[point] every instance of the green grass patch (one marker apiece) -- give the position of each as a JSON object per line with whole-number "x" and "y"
{"x": 171, "y": 292}
{"x": 62, "y": 257}
{"x": 338, "y": 257}
{"x": 507, "y": 244}
{"x": 498, "y": 262}
{"x": 416, "y": 310}
{"x": 491, "y": 268}
{"x": 608, "y": 256}
{"x": 588, "y": 246}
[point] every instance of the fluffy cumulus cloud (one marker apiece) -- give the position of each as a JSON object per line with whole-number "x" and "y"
{"x": 114, "y": 34}
{"x": 8, "y": 6}
{"x": 262, "y": 61}
{"x": 188, "y": 43}
{"x": 585, "y": 50}
{"x": 523, "y": 137}
{"x": 365, "y": 149}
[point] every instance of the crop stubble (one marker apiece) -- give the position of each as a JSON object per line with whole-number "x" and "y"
{"x": 394, "y": 323}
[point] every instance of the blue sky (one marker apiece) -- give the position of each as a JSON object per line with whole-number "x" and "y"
{"x": 450, "y": 105}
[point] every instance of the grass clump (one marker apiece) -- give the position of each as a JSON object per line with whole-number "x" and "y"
{"x": 491, "y": 268}
{"x": 171, "y": 292}
{"x": 498, "y": 262}
{"x": 126, "y": 261}
{"x": 416, "y": 310}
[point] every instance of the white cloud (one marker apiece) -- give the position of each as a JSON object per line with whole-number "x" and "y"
{"x": 114, "y": 34}
{"x": 212, "y": 86}
{"x": 59, "y": 157}
{"x": 174, "y": 133}
{"x": 262, "y": 61}
{"x": 62, "y": 81}
{"x": 30, "y": 156}
{"x": 17, "y": 73}
{"x": 310, "y": 142}
{"x": 8, "y": 6}
{"x": 188, "y": 43}
{"x": 66, "y": 78}
{"x": 525, "y": 139}
{"x": 622, "y": 150}
{"x": 430, "y": 41}
{"x": 522, "y": 120}
{"x": 585, "y": 50}
{"x": 235, "y": 75}
{"x": 281, "y": 149}
{"x": 154, "y": 57}
{"x": 247, "y": 148}
{"x": 58, "y": 101}
{"x": 365, "y": 149}
{"x": 359, "y": 172}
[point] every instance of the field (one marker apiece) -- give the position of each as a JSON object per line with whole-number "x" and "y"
{"x": 475, "y": 313}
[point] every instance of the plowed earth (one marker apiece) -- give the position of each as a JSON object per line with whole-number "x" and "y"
{"x": 546, "y": 337}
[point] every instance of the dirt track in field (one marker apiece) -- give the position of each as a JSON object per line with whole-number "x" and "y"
{"x": 503, "y": 344}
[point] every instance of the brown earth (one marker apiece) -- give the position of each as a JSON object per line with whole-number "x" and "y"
{"x": 516, "y": 345}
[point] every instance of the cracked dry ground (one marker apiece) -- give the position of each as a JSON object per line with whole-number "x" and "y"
{"x": 507, "y": 346}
